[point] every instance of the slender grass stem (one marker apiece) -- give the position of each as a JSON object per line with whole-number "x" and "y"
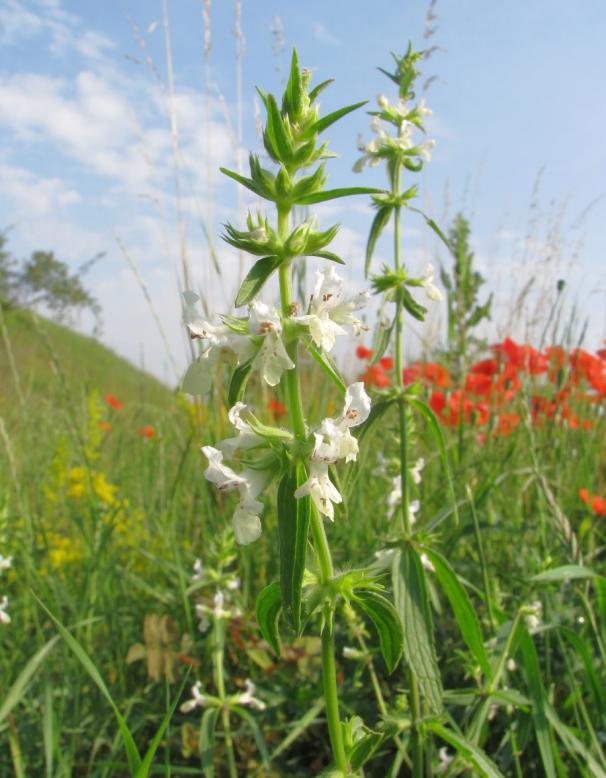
{"x": 218, "y": 638}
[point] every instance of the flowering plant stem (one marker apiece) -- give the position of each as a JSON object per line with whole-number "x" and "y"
{"x": 417, "y": 746}
{"x": 320, "y": 541}
{"x": 218, "y": 649}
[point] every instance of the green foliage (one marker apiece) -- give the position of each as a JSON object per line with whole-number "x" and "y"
{"x": 463, "y": 284}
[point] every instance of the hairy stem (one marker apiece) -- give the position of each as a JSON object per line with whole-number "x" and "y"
{"x": 295, "y": 407}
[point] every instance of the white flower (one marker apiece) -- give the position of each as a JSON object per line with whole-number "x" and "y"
{"x": 320, "y": 488}
{"x": 415, "y": 471}
{"x": 445, "y": 759}
{"x": 533, "y": 616}
{"x": 246, "y": 439}
{"x": 427, "y": 563}
{"x": 219, "y": 612}
{"x": 5, "y": 562}
{"x": 353, "y": 653}
{"x": 197, "y": 699}
{"x": 250, "y": 483}
{"x": 272, "y": 358}
{"x": 198, "y": 571}
{"x": 432, "y": 291}
{"x": 327, "y": 310}
{"x": 233, "y": 584}
{"x": 334, "y": 441}
{"x": 394, "y": 498}
{"x": 247, "y": 697}
{"x": 4, "y": 617}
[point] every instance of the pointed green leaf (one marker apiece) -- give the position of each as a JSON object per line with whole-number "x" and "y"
{"x": 414, "y": 308}
{"x": 538, "y": 698}
{"x": 247, "y": 182}
{"x": 432, "y": 225}
{"x": 382, "y": 338}
{"x": 412, "y": 603}
{"x": 387, "y": 623}
{"x": 363, "y": 749}
{"x": 333, "y": 117}
{"x": 269, "y": 605}
{"x": 206, "y": 741}
{"x": 466, "y": 750}
{"x": 464, "y": 611}
{"x": 291, "y": 102}
{"x": 564, "y": 573}
{"x": 327, "y": 364}
{"x": 256, "y": 733}
{"x": 333, "y": 194}
{"x": 328, "y": 255}
{"x": 146, "y": 763}
{"x": 237, "y": 383}
{"x": 315, "y": 92}
{"x": 132, "y": 753}
{"x": 378, "y": 225}
{"x": 16, "y": 692}
{"x": 293, "y": 527}
{"x": 256, "y": 278}
{"x": 277, "y": 141}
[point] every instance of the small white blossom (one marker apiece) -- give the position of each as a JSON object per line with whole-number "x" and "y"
{"x": 5, "y": 562}
{"x": 250, "y": 483}
{"x": 511, "y": 664}
{"x": 246, "y": 437}
{"x": 4, "y": 617}
{"x": 247, "y": 697}
{"x": 272, "y": 358}
{"x": 233, "y": 584}
{"x": 415, "y": 471}
{"x": 197, "y": 699}
{"x": 533, "y": 616}
{"x": 328, "y": 311}
{"x": 445, "y": 759}
{"x": 320, "y": 488}
{"x": 353, "y": 653}
{"x": 394, "y": 498}
{"x": 431, "y": 290}
{"x": 334, "y": 441}
{"x": 198, "y": 571}
{"x": 427, "y": 563}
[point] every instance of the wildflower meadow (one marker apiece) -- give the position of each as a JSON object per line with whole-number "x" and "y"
{"x": 319, "y": 554}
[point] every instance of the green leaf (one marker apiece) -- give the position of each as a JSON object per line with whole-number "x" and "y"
{"x": 15, "y": 694}
{"x": 206, "y": 741}
{"x": 414, "y": 308}
{"x": 256, "y": 733}
{"x": 333, "y": 117}
{"x": 564, "y": 573}
{"x": 432, "y": 225}
{"x": 378, "y": 225}
{"x": 538, "y": 699}
{"x": 315, "y": 92}
{"x": 247, "y": 182}
{"x": 436, "y": 431}
{"x": 412, "y": 603}
{"x": 237, "y": 383}
{"x": 363, "y": 749}
{"x": 294, "y": 516}
{"x": 327, "y": 364}
{"x": 333, "y": 194}
{"x": 132, "y": 753}
{"x": 298, "y": 727}
{"x": 469, "y": 752}
{"x": 291, "y": 102}
{"x": 381, "y": 338}
{"x": 269, "y": 605}
{"x": 277, "y": 141}
{"x": 464, "y": 612}
{"x": 572, "y": 743}
{"x": 328, "y": 255}
{"x": 387, "y": 623}
{"x": 146, "y": 763}
{"x": 256, "y": 278}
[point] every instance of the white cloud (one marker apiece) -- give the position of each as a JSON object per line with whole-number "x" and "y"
{"x": 323, "y": 35}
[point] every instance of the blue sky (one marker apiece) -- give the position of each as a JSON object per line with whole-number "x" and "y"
{"x": 86, "y": 152}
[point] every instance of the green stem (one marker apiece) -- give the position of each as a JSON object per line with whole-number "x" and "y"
{"x": 218, "y": 643}
{"x": 415, "y": 702}
{"x": 295, "y": 406}
{"x": 483, "y": 565}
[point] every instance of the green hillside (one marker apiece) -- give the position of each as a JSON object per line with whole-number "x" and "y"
{"x": 50, "y": 359}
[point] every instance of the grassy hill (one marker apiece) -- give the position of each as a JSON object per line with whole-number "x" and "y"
{"x": 49, "y": 358}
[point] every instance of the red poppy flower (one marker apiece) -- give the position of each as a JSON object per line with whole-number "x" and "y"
{"x": 113, "y": 401}
{"x": 374, "y": 375}
{"x": 386, "y": 363}
{"x": 276, "y": 408}
{"x": 363, "y": 353}
{"x": 595, "y": 502}
{"x": 147, "y": 431}
{"x": 478, "y": 383}
{"x": 485, "y": 367}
